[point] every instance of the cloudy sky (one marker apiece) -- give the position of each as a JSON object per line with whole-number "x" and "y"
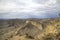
{"x": 29, "y": 8}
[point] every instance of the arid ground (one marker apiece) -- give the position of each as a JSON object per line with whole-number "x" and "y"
{"x": 30, "y": 29}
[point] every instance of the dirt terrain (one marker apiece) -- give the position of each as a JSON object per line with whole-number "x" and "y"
{"x": 30, "y": 29}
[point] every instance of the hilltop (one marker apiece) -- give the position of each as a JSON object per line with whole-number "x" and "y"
{"x": 30, "y": 29}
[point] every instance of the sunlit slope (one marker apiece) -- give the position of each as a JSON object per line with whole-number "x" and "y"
{"x": 44, "y": 29}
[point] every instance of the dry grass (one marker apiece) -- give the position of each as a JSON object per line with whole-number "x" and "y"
{"x": 32, "y": 30}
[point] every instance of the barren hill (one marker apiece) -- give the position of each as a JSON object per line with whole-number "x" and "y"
{"x": 30, "y": 29}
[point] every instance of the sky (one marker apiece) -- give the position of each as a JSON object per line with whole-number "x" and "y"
{"x": 29, "y": 9}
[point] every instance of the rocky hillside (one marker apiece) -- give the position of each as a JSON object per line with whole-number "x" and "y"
{"x": 30, "y": 29}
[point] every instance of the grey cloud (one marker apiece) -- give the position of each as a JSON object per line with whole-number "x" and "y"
{"x": 58, "y": 1}
{"x": 10, "y": 1}
{"x": 45, "y": 12}
{"x": 7, "y": 0}
{"x": 40, "y": 1}
{"x": 30, "y": 15}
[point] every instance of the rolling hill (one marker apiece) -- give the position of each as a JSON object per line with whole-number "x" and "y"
{"x": 30, "y": 29}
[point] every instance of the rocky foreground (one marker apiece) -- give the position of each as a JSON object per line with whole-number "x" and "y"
{"x": 41, "y": 29}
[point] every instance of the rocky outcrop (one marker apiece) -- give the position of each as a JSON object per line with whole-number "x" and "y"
{"x": 33, "y": 30}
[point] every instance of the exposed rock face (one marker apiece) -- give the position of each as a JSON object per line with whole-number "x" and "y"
{"x": 48, "y": 29}
{"x": 30, "y": 30}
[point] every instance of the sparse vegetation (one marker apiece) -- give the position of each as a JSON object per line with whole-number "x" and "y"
{"x": 30, "y": 29}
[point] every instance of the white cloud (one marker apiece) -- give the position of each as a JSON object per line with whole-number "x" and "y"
{"x": 27, "y": 7}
